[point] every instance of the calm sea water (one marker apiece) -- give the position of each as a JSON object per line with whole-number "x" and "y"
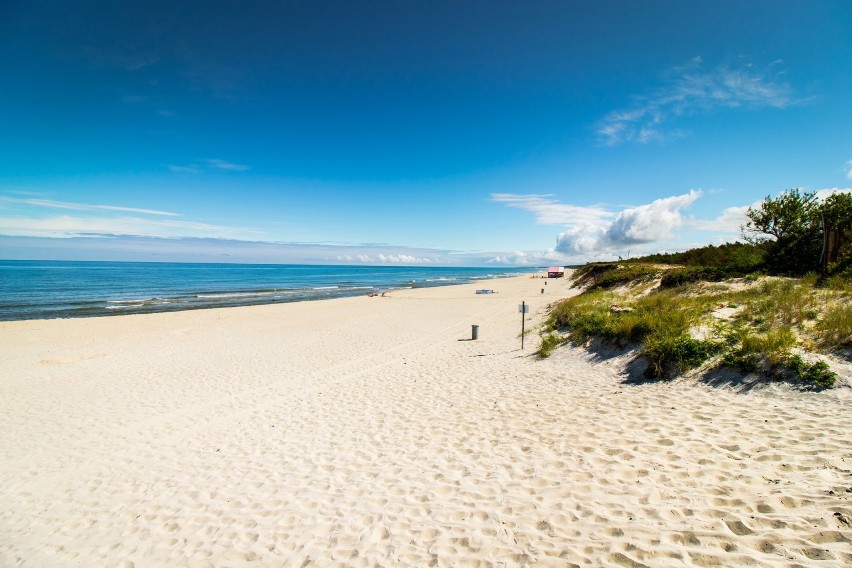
{"x": 59, "y": 289}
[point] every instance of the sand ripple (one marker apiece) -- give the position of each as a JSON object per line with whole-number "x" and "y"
{"x": 362, "y": 432}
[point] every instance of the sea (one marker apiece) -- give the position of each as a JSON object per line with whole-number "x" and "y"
{"x": 65, "y": 289}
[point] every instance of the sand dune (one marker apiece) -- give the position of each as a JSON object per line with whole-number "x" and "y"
{"x": 370, "y": 432}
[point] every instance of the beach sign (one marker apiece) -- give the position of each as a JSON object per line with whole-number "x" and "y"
{"x": 524, "y": 309}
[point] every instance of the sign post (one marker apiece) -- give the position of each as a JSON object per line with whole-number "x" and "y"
{"x": 524, "y": 309}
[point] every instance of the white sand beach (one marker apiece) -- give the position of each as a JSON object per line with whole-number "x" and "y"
{"x": 372, "y": 432}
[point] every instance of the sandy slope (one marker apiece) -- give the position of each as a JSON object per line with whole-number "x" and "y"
{"x": 365, "y": 431}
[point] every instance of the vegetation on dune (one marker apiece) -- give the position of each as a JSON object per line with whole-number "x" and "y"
{"x": 834, "y": 330}
{"x": 755, "y": 329}
{"x": 784, "y": 235}
{"x": 610, "y": 274}
{"x": 684, "y": 311}
{"x": 735, "y": 258}
{"x": 792, "y": 228}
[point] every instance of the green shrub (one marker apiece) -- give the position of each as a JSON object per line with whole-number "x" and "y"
{"x": 745, "y": 349}
{"x": 834, "y": 330}
{"x": 774, "y": 345}
{"x": 585, "y": 316}
{"x": 739, "y": 257}
{"x": 680, "y": 276}
{"x": 745, "y": 362}
{"x": 818, "y": 373}
{"x": 759, "y": 339}
{"x": 549, "y": 343}
{"x": 624, "y": 275}
{"x": 839, "y": 283}
{"x": 594, "y": 269}
{"x": 682, "y": 352}
{"x": 782, "y": 301}
{"x": 589, "y": 273}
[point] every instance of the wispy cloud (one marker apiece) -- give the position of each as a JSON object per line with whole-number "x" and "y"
{"x": 207, "y": 165}
{"x": 68, "y": 226}
{"x": 223, "y": 165}
{"x": 85, "y": 206}
{"x": 549, "y": 211}
{"x": 182, "y": 169}
{"x": 34, "y": 217}
{"x": 690, "y": 90}
{"x": 848, "y": 168}
{"x": 728, "y": 222}
{"x": 206, "y": 249}
{"x": 380, "y": 258}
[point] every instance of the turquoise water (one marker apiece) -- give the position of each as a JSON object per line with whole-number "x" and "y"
{"x": 61, "y": 289}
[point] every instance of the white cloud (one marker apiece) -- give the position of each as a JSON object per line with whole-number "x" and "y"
{"x": 207, "y": 165}
{"x": 849, "y": 169}
{"x": 182, "y": 169}
{"x": 549, "y": 211}
{"x": 229, "y": 166}
{"x": 823, "y": 193}
{"x": 66, "y": 226}
{"x": 692, "y": 90}
{"x": 381, "y": 258}
{"x": 84, "y": 206}
{"x": 637, "y": 225}
{"x": 729, "y": 221}
{"x": 528, "y": 258}
{"x": 732, "y": 218}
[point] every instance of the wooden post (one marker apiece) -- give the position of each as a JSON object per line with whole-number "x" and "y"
{"x": 831, "y": 238}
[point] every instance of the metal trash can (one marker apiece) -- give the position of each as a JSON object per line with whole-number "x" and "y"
{"x": 474, "y": 332}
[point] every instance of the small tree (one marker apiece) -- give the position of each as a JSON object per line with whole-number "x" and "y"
{"x": 791, "y": 229}
{"x": 836, "y": 217}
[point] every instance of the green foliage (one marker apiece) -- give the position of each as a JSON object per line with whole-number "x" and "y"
{"x": 593, "y": 269}
{"x": 659, "y": 321}
{"x": 774, "y": 344}
{"x": 610, "y": 275}
{"x": 680, "y": 351}
{"x": 782, "y": 301}
{"x": 790, "y": 226}
{"x": 736, "y": 257}
{"x": 786, "y": 217}
{"x": 759, "y": 337}
{"x": 834, "y": 330}
{"x": 549, "y": 343}
{"x": 747, "y": 349}
{"x": 745, "y": 362}
{"x": 585, "y": 316}
{"x": 680, "y": 276}
{"x": 837, "y": 210}
{"x": 839, "y": 282}
{"x": 818, "y": 373}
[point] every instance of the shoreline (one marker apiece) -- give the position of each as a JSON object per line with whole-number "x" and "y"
{"x": 65, "y": 290}
{"x": 370, "y": 431}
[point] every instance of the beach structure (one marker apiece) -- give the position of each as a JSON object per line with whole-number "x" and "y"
{"x": 555, "y": 272}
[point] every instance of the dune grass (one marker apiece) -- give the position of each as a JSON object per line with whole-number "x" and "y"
{"x": 675, "y": 329}
{"x": 834, "y": 330}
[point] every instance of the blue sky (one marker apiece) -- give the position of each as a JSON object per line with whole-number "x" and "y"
{"x": 445, "y": 133}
